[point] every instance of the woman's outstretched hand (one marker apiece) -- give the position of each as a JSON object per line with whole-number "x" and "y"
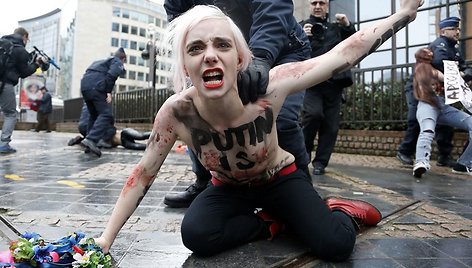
{"x": 411, "y": 6}
{"x": 103, "y": 243}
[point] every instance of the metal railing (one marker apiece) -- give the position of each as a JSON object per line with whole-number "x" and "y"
{"x": 375, "y": 101}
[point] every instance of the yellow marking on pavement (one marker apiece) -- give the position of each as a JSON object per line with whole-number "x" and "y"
{"x": 13, "y": 177}
{"x": 72, "y": 184}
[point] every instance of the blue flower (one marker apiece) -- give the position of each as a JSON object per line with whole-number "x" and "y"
{"x": 41, "y": 252}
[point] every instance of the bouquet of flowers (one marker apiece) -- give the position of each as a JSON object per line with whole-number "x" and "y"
{"x": 74, "y": 251}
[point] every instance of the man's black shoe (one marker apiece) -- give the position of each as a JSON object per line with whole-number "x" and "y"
{"x": 88, "y": 144}
{"x": 184, "y": 199}
{"x": 103, "y": 144}
{"x": 446, "y": 161}
{"x": 404, "y": 159}
{"x": 75, "y": 140}
{"x": 318, "y": 169}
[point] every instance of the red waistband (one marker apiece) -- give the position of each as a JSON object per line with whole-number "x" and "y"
{"x": 283, "y": 172}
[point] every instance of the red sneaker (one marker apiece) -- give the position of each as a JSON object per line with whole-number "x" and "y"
{"x": 362, "y": 212}
{"x": 275, "y": 227}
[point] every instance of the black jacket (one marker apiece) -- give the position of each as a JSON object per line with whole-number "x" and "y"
{"x": 45, "y": 105}
{"x": 444, "y": 48}
{"x": 268, "y": 25}
{"x": 101, "y": 75}
{"x": 20, "y": 64}
{"x": 331, "y": 34}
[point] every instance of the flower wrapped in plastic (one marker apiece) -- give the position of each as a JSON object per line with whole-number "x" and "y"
{"x": 74, "y": 251}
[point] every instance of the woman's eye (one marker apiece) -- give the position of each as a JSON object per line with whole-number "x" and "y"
{"x": 194, "y": 49}
{"x": 224, "y": 45}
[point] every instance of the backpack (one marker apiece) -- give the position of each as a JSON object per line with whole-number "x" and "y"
{"x": 6, "y": 48}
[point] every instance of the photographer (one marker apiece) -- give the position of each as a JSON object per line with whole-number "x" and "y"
{"x": 322, "y": 103}
{"x": 20, "y": 64}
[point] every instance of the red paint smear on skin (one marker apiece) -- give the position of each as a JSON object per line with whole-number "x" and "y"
{"x": 138, "y": 175}
{"x": 133, "y": 179}
{"x": 212, "y": 160}
{"x": 263, "y": 103}
{"x": 261, "y": 155}
{"x": 294, "y": 70}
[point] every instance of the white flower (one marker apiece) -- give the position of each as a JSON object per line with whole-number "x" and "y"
{"x": 83, "y": 241}
{"x": 83, "y": 259}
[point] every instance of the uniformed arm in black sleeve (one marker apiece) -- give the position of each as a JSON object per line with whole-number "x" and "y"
{"x": 176, "y": 7}
{"x": 270, "y": 29}
{"x": 115, "y": 70}
{"x": 440, "y": 53}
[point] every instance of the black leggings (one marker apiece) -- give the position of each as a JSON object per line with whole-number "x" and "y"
{"x": 128, "y": 137}
{"x": 222, "y": 217}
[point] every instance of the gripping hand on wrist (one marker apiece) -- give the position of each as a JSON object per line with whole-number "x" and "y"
{"x": 253, "y": 81}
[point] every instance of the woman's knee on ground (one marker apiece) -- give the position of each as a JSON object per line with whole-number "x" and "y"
{"x": 200, "y": 239}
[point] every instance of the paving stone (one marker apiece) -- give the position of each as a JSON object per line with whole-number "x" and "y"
{"x": 420, "y": 215}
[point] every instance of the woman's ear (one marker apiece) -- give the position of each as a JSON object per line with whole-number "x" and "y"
{"x": 240, "y": 64}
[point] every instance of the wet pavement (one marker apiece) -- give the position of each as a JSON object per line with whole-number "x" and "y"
{"x": 51, "y": 188}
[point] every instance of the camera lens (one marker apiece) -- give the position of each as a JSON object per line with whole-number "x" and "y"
{"x": 317, "y": 30}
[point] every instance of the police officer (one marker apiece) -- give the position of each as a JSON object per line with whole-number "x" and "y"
{"x": 20, "y": 64}
{"x": 96, "y": 87}
{"x": 274, "y": 37}
{"x": 322, "y": 103}
{"x": 443, "y": 48}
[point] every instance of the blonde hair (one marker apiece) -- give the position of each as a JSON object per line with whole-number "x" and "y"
{"x": 177, "y": 32}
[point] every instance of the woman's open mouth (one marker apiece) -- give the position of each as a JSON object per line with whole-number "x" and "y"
{"x": 213, "y": 78}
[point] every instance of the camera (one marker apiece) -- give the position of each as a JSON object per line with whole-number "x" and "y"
{"x": 318, "y": 30}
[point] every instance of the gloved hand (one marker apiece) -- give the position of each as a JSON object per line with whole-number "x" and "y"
{"x": 467, "y": 75}
{"x": 43, "y": 63}
{"x": 253, "y": 81}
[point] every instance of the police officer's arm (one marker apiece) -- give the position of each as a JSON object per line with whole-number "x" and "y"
{"x": 115, "y": 70}
{"x": 176, "y": 7}
{"x": 440, "y": 53}
{"x": 271, "y": 25}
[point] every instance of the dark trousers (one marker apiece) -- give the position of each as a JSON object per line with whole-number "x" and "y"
{"x": 101, "y": 117}
{"x": 43, "y": 121}
{"x": 320, "y": 115}
{"x": 443, "y": 133}
{"x": 222, "y": 217}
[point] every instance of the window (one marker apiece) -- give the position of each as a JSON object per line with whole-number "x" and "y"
{"x": 142, "y": 32}
{"x": 122, "y": 88}
{"x": 116, "y": 11}
{"x": 158, "y": 22}
{"x": 162, "y": 80}
{"x": 132, "y": 60}
{"x": 125, "y": 13}
{"x": 134, "y": 30}
{"x": 140, "y": 61}
{"x": 115, "y": 27}
{"x": 140, "y": 76}
{"x": 142, "y": 46}
{"x": 124, "y": 43}
{"x": 132, "y": 75}
{"x": 133, "y": 45}
{"x": 114, "y": 42}
{"x": 124, "y": 28}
